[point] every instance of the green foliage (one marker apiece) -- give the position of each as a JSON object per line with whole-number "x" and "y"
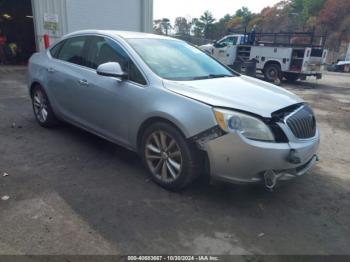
{"x": 197, "y": 30}
{"x": 162, "y": 26}
{"x": 305, "y": 9}
{"x": 297, "y": 6}
{"x": 207, "y": 18}
{"x": 204, "y": 25}
{"x": 245, "y": 15}
{"x": 313, "y": 7}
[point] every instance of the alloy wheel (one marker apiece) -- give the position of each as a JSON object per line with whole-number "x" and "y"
{"x": 163, "y": 156}
{"x": 40, "y": 106}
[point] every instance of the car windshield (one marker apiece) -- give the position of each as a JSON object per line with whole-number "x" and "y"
{"x": 177, "y": 60}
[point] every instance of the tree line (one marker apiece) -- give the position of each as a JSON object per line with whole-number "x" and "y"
{"x": 331, "y": 17}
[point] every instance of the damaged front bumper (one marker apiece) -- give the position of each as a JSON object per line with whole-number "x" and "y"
{"x": 234, "y": 158}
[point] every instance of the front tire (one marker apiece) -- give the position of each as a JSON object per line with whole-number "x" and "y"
{"x": 171, "y": 161}
{"x": 42, "y": 108}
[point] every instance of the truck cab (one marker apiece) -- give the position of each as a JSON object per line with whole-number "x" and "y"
{"x": 225, "y": 49}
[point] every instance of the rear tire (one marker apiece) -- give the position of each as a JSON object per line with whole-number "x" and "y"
{"x": 272, "y": 72}
{"x": 290, "y": 77}
{"x": 172, "y": 162}
{"x": 42, "y": 108}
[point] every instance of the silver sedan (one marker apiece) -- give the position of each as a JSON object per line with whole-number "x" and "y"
{"x": 181, "y": 110}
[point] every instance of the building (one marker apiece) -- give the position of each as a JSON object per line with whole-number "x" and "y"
{"x": 25, "y": 22}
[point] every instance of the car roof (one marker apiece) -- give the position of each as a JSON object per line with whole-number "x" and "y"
{"x": 122, "y": 34}
{"x": 236, "y": 35}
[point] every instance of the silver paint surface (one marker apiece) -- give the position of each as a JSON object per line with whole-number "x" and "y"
{"x": 116, "y": 110}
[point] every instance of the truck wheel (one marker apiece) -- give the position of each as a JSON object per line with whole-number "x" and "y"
{"x": 172, "y": 162}
{"x": 291, "y": 77}
{"x": 272, "y": 72}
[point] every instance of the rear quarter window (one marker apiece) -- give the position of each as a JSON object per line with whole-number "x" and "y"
{"x": 54, "y": 51}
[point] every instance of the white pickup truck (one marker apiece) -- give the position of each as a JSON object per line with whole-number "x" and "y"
{"x": 274, "y": 60}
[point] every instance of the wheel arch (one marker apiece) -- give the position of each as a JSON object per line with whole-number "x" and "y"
{"x": 273, "y": 62}
{"x": 152, "y": 120}
{"x": 32, "y": 85}
{"x": 35, "y": 83}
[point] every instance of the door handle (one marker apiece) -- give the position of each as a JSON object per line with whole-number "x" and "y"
{"x": 51, "y": 70}
{"x": 83, "y": 82}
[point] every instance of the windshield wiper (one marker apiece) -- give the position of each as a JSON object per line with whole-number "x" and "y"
{"x": 211, "y": 76}
{"x": 219, "y": 76}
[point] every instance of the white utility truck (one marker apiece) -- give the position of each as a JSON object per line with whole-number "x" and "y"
{"x": 277, "y": 55}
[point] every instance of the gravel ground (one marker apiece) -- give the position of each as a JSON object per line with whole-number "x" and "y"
{"x": 73, "y": 193}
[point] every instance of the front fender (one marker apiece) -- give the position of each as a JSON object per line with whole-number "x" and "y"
{"x": 191, "y": 117}
{"x": 37, "y": 71}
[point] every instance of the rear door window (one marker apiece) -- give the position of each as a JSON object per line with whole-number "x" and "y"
{"x": 72, "y": 50}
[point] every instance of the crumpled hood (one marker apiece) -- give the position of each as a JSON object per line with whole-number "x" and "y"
{"x": 242, "y": 93}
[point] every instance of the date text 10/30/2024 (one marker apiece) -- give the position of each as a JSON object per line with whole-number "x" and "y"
{"x": 173, "y": 258}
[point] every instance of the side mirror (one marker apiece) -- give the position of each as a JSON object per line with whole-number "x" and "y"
{"x": 112, "y": 69}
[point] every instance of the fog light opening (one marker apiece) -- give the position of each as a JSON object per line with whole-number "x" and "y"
{"x": 270, "y": 179}
{"x": 293, "y": 157}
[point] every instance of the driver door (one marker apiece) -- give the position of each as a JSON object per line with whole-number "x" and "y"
{"x": 106, "y": 101}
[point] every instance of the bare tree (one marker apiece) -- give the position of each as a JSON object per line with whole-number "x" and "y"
{"x": 166, "y": 25}
{"x": 182, "y": 27}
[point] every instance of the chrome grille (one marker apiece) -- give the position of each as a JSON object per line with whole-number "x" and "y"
{"x": 302, "y": 123}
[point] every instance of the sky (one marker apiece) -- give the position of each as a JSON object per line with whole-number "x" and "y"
{"x": 195, "y": 8}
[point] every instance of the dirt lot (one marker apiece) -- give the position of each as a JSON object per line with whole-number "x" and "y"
{"x": 73, "y": 193}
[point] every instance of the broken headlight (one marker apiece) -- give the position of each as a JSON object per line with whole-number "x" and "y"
{"x": 249, "y": 126}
